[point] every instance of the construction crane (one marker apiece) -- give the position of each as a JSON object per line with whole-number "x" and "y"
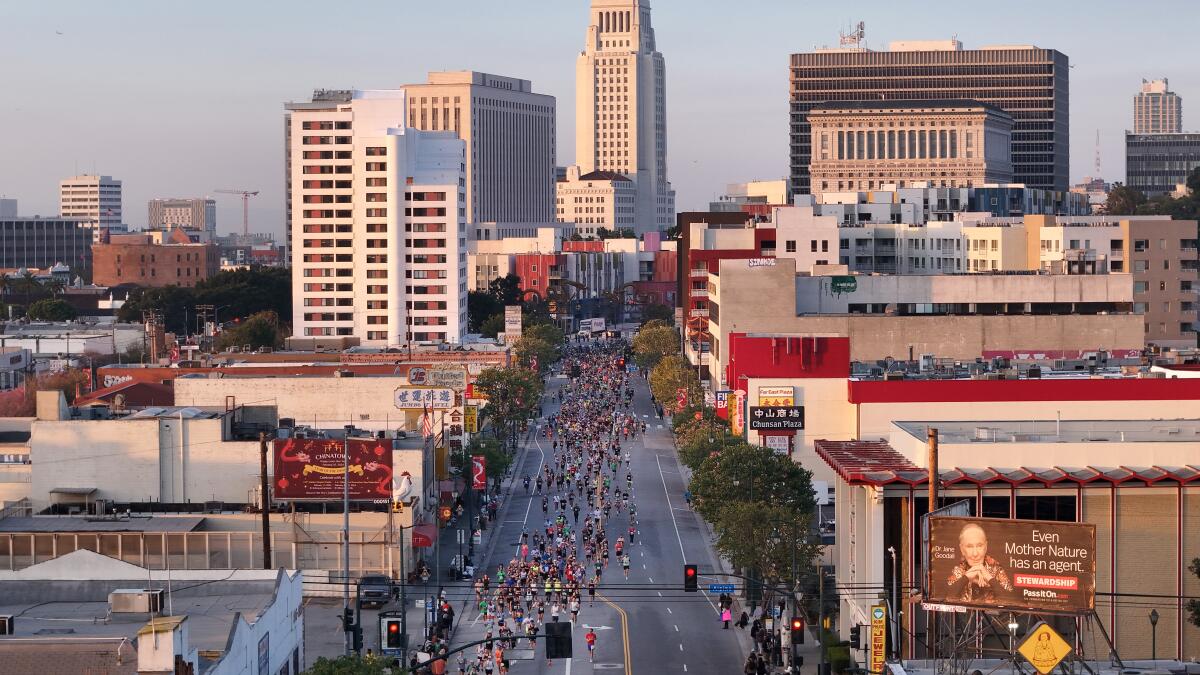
{"x": 246, "y": 195}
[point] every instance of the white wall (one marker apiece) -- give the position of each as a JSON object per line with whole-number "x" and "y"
{"x": 283, "y": 623}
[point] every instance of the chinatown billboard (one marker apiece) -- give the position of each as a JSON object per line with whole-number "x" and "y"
{"x": 311, "y": 469}
{"x": 993, "y": 563}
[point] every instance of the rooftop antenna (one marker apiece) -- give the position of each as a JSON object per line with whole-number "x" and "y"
{"x": 855, "y": 37}
{"x": 1098, "y": 153}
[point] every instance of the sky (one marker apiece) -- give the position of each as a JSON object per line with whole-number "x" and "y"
{"x": 179, "y": 99}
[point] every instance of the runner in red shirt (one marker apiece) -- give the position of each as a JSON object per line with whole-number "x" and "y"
{"x": 591, "y": 643}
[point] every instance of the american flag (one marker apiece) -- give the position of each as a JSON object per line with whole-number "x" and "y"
{"x": 427, "y": 420}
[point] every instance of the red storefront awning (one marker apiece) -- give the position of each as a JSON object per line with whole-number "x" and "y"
{"x": 423, "y": 536}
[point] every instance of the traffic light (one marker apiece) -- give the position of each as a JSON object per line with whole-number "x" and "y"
{"x": 855, "y": 636}
{"x": 690, "y": 578}
{"x": 797, "y": 630}
{"x": 347, "y": 620}
{"x": 392, "y": 637}
{"x": 558, "y": 640}
{"x": 356, "y": 637}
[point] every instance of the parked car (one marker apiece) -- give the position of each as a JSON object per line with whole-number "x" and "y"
{"x": 374, "y": 589}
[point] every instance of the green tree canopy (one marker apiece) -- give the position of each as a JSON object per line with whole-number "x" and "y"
{"x": 1123, "y": 201}
{"x": 652, "y": 343}
{"x": 497, "y": 460}
{"x": 506, "y": 290}
{"x": 482, "y": 307}
{"x": 353, "y": 665}
{"x": 512, "y": 394}
{"x": 546, "y": 332}
{"x": 51, "y": 309}
{"x": 232, "y": 294}
{"x": 529, "y": 347}
{"x": 657, "y": 312}
{"x": 670, "y": 375}
{"x": 751, "y": 473}
{"x": 260, "y": 330}
{"x": 767, "y": 539}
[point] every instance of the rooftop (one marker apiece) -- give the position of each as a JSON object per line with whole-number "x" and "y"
{"x": 890, "y": 104}
{"x": 100, "y": 524}
{"x": 1064, "y": 431}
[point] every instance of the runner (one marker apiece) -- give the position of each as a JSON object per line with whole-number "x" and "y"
{"x": 591, "y": 643}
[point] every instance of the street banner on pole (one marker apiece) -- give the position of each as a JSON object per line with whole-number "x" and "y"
{"x": 478, "y": 472}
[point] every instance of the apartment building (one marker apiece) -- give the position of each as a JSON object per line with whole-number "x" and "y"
{"x": 861, "y": 145}
{"x": 1159, "y": 254}
{"x": 378, "y": 226}
{"x": 1157, "y": 109}
{"x": 95, "y": 200}
{"x": 197, "y": 214}
{"x": 1029, "y": 83}
{"x": 598, "y": 199}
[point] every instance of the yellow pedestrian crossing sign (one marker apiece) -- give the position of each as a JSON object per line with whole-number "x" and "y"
{"x": 1044, "y": 648}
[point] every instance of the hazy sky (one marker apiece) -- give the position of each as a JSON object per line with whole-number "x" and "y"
{"x": 181, "y": 98}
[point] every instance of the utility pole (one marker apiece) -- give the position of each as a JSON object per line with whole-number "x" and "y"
{"x": 821, "y": 618}
{"x": 265, "y": 499}
{"x": 932, "y": 448}
{"x": 346, "y": 535}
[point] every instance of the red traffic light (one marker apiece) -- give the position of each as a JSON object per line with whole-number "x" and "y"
{"x": 393, "y": 627}
{"x": 690, "y": 571}
{"x": 797, "y": 623}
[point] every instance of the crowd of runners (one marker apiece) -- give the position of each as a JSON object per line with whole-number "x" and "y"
{"x": 588, "y": 510}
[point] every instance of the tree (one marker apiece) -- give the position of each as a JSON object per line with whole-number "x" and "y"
{"x": 48, "y": 309}
{"x": 701, "y": 444}
{"x": 767, "y": 539}
{"x": 670, "y": 375}
{"x": 23, "y": 402}
{"x": 506, "y": 290}
{"x": 497, "y": 461}
{"x": 751, "y": 473}
{"x": 530, "y": 347}
{"x": 493, "y": 326}
{"x": 352, "y": 665}
{"x": 546, "y": 332}
{"x": 657, "y": 312}
{"x": 1193, "y": 606}
{"x": 513, "y": 394}
{"x": 481, "y": 307}
{"x": 651, "y": 344}
{"x": 241, "y": 293}
{"x": 260, "y": 330}
{"x": 1123, "y": 201}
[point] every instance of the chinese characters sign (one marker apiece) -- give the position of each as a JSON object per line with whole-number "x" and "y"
{"x": 312, "y": 468}
{"x": 420, "y": 398}
{"x": 776, "y": 419}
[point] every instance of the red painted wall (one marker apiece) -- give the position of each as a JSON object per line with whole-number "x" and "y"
{"x": 786, "y": 356}
{"x": 524, "y": 264}
{"x": 586, "y": 246}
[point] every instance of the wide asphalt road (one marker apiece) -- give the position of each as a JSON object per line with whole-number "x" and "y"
{"x": 645, "y": 624}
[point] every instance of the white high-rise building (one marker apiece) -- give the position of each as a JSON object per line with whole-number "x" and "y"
{"x": 377, "y": 221}
{"x": 193, "y": 213}
{"x": 621, "y": 109}
{"x": 96, "y": 200}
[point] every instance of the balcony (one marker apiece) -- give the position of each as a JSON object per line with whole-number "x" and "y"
{"x": 698, "y": 272}
{"x": 698, "y": 293}
{"x": 698, "y": 312}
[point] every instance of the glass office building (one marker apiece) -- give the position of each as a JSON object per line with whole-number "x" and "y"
{"x": 1156, "y": 163}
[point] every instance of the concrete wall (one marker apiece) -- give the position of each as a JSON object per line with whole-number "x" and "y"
{"x": 366, "y": 402}
{"x": 281, "y": 622}
{"x": 813, "y": 294}
{"x": 140, "y": 460}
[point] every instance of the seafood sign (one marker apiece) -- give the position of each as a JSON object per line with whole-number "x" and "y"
{"x": 312, "y": 469}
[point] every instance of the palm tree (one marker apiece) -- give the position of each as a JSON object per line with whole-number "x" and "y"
{"x": 55, "y": 286}
{"x": 4, "y": 284}
{"x": 28, "y": 285}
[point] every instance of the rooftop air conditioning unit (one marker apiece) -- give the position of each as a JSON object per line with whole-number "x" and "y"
{"x": 136, "y": 601}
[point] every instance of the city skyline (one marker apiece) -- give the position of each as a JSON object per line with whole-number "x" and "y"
{"x": 210, "y": 119}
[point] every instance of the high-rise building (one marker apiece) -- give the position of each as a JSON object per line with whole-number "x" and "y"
{"x": 864, "y": 145}
{"x": 621, "y": 107}
{"x": 1158, "y": 164}
{"x": 599, "y": 199}
{"x": 8, "y": 208}
{"x": 379, "y": 225}
{"x": 510, "y": 135}
{"x": 1029, "y": 83}
{"x": 197, "y": 214}
{"x": 94, "y": 199}
{"x": 1156, "y": 109}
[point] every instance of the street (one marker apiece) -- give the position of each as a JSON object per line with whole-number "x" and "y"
{"x": 645, "y": 623}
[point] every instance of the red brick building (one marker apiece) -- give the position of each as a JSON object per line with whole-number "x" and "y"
{"x": 137, "y": 259}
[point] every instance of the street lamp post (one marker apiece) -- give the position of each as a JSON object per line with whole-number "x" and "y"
{"x": 1154, "y": 635}
{"x": 895, "y": 606}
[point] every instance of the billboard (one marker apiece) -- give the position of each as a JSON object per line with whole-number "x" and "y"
{"x": 790, "y": 418}
{"x": 312, "y": 468}
{"x": 1038, "y": 565}
{"x": 512, "y": 324}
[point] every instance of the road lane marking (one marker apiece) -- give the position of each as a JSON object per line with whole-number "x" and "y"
{"x": 668, "y": 609}
{"x": 676, "y": 627}
{"x": 675, "y": 523}
{"x": 624, "y": 633}
{"x": 680, "y": 646}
